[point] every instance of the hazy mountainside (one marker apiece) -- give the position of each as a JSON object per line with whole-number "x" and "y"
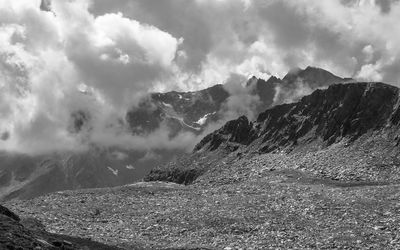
{"x": 314, "y": 77}
{"x": 193, "y": 111}
{"x": 23, "y": 176}
{"x": 348, "y": 131}
{"x": 187, "y": 111}
{"x": 298, "y": 83}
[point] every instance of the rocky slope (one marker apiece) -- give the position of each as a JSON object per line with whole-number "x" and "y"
{"x": 341, "y": 111}
{"x": 29, "y": 233}
{"x": 356, "y": 119}
{"x": 257, "y": 204}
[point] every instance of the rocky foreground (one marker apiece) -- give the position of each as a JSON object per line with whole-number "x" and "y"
{"x": 30, "y": 233}
{"x": 263, "y": 206}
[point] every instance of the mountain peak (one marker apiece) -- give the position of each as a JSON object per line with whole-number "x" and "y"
{"x": 311, "y": 68}
{"x": 253, "y": 78}
{"x": 313, "y": 76}
{"x": 314, "y": 70}
{"x": 274, "y": 79}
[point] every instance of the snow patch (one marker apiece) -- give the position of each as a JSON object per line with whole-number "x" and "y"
{"x": 167, "y": 105}
{"x": 114, "y": 171}
{"x": 183, "y": 123}
{"x": 130, "y": 167}
{"x": 203, "y": 119}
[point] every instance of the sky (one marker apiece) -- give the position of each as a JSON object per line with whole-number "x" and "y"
{"x": 61, "y": 56}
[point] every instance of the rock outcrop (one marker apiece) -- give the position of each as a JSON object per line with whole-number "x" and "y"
{"x": 6, "y": 212}
{"x": 239, "y": 131}
{"x": 30, "y": 234}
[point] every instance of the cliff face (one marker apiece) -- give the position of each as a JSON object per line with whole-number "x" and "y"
{"x": 239, "y": 131}
{"x": 341, "y": 111}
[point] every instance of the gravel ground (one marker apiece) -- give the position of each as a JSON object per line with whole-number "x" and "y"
{"x": 251, "y": 206}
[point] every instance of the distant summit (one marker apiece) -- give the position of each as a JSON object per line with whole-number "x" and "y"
{"x": 314, "y": 77}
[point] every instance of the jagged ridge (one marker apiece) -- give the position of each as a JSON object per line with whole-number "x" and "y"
{"x": 343, "y": 110}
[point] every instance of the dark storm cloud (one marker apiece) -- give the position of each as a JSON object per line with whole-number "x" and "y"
{"x": 45, "y": 5}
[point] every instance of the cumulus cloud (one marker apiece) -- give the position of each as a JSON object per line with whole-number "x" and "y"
{"x": 370, "y": 72}
{"x": 59, "y": 58}
{"x": 255, "y": 36}
{"x": 289, "y": 94}
{"x": 54, "y": 65}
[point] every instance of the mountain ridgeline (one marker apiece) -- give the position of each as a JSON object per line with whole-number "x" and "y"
{"x": 352, "y": 128}
{"x": 193, "y": 111}
{"x": 343, "y": 110}
{"x": 25, "y": 176}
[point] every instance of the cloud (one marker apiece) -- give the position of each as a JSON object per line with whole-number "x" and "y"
{"x": 241, "y": 100}
{"x": 100, "y": 57}
{"x": 289, "y": 94}
{"x": 45, "y": 5}
{"x": 370, "y": 72}
{"x": 327, "y": 34}
{"x": 359, "y": 24}
{"x": 53, "y": 66}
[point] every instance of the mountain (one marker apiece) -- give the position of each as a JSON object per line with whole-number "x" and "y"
{"x": 298, "y": 83}
{"x": 341, "y": 111}
{"x": 190, "y": 111}
{"x": 345, "y": 132}
{"x": 314, "y": 77}
{"x": 193, "y": 111}
{"x": 25, "y": 176}
{"x": 322, "y": 172}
